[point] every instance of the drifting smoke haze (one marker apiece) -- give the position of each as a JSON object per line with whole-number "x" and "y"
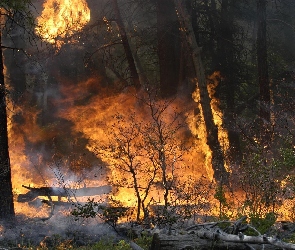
{"x": 63, "y": 112}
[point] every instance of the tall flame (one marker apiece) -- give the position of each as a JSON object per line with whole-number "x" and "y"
{"x": 62, "y": 18}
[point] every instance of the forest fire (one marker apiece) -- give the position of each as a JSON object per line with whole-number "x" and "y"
{"x": 128, "y": 123}
{"x": 60, "y": 19}
{"x": 95, "y": 121}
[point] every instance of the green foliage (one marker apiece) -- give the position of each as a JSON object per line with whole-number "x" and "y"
{"x": 57, "y": 242}
{"x": 287, "y": 157}
{"x": 14, "y": 4}
{"x": 109, "y": 244}
{"x": 144, "y": 241}
{"x": 104, "y": 244}
{"x": 263, "y": 224}
{"x": 290, "y": 238}
{"x": 88, "y": 210}
{"x": 220, "y": 196}
{"x": 20, "y": 11}
{"x": 112, "y": 214}
{"x": 260, "y": 180}
{"x": 91, "y": 209}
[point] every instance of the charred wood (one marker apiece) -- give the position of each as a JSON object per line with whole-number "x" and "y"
{"x": 62, "y": 192}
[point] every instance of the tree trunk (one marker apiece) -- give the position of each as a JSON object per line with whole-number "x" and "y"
{"x": 226, "y": 65}
{"x": 126, "y": 45}
{"x": 6, "y": 195}
{"x": 220, "y": 173}
{"x": 168, "y": 47}
{"x": 263, "y": 78}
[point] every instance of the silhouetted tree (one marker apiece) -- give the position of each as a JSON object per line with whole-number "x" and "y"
{"x": 9, "y": 9}
{"x": 6, "y": 195}
{"x": 262, "y": 66}
{"x": 168, "y": 47}
{"x": 133, "y": 71}
{"x": 226, "y": 64}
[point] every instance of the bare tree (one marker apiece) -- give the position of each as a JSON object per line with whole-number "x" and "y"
{"x": 126, "y": 156}
{"x": 160, "y": 135}
{"x": 144, "y": 153}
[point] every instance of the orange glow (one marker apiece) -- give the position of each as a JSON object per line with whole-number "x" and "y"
{"x": 60, "y": 19}
{"x": 96, "y": 122}
{"x": 217, "y": 115}
{"x": 197, "y": 124}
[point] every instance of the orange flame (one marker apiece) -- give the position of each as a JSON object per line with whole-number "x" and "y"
{"x": 197, "y": 124}
{"x": 61, "y": 19}
{"x": 217, "y": 115}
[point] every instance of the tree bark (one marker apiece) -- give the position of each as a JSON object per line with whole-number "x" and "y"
{"x": 220, "y": 173}
{"x": 207, "y": 238}
{"x": 126, "y": 45}
{"x": 225, "y": 64}
{"x": 263, "y": 78}
{"x": 6, "y": 195}
{"x": 168, "y": 47}
{"x": 193, "y": 241}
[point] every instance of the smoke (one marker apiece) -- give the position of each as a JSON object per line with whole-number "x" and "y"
{"x": 60, "y": 228}
{"x": 62, "y": 109}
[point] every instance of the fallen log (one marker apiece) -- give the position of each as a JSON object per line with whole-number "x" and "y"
{"x": 211, "y": 236}
{"x": 62, "y": 192}
{"x": 203, "y": 241}
{"x": 186, "y": 241}
{"x": 66, "y": 204}
{"x": 241, "y": 238}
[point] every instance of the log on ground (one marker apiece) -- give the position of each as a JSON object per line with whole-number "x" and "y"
{"x": 62, "y": 192}
{"x": 193, "y": 241}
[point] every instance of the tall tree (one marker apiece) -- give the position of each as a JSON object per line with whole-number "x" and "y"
{"x": 8, "y": 10}
{"x": 168, "y": 47}
{"x": 220, "y": 173}
{"x": 262, "y": 66}
{"x": 126, "y": 45}
{"x": 6, "y": 195}
{"x": 227, "y": 66}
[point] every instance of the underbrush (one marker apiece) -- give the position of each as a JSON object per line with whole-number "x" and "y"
{"x": 60, "y": 244}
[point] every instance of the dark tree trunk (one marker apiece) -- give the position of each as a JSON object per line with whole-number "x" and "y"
{"x": 6, "y": 196}
{"x": 168, "y": 47}
{"x": 126, "y": 45}
{"x": 226, "y": 65}
{"x": 263, "y": 78}
{"x": 220, "y": 173}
